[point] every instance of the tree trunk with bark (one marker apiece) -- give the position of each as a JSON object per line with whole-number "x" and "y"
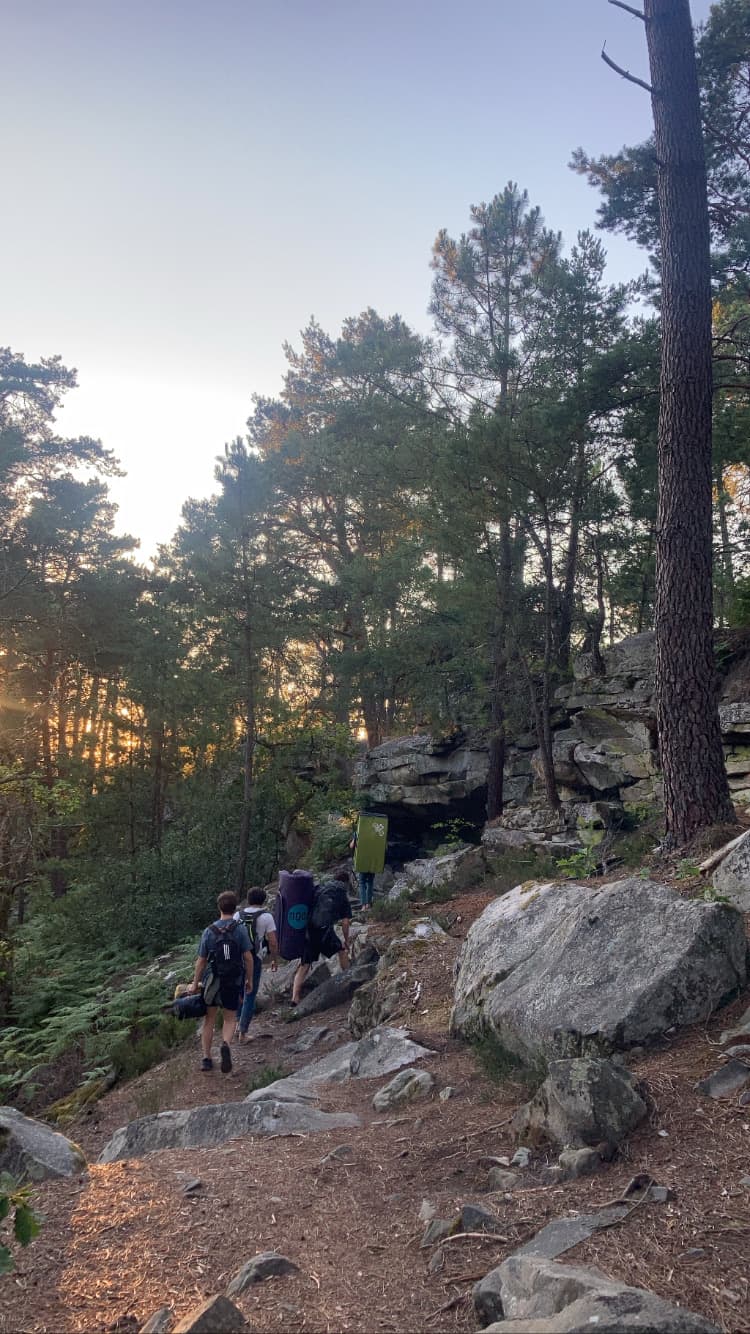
{"x": 696, "y": 792}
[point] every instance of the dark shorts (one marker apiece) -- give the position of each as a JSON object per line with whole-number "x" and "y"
{"x": 321, "y": 941}
{"x": 229, "y": 997}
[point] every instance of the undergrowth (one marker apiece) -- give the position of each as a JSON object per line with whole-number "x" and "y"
{"x": 97, "y": 1007}
{"x": 268, "y": 1074}
{"x": 391, "y": 910}
{"x": 503, "y": 1066}
{"x": 513, "y": 868}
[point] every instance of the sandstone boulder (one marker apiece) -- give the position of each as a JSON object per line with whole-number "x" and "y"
{"x": 560, "y": 970}
{"x": 30, "y": 1150}
{"x": 335, "y": 990}
{"x": 216, "y": 1123}
{"x": 406, "y": 1086}
{"x": 532, "y": 1296}
{"x": 585, "y": 1101}
{"x": 455, "y": 870}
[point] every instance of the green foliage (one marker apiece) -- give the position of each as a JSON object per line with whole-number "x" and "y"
{"x": 687, "y": 869}
{"x": 15, "y": 1198}
{"x": 710, "y": 895}
{"x": 83, "y": 1003}
{"x": 583, "y": 863}
{"x": 440, "y": 893}
{"x": 503, "y": 1066}
{"x": 515, "y": 867}
{"x": 268, "y": 1074}
{"x": 390, "y": 910}
{"x": 330, "y": 842}
{"x": 451, "y": 834}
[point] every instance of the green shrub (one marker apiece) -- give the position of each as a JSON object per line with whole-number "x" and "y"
{"x": 515, "y": 867}
{"x": 390, "y": 910}
{"x": 441, "y": 893}
{"x": 15, "y": 1198}
{"x": 583, "y": 863}
{"x": 265, "y": 1076}
{"x": 503, "y": 1066}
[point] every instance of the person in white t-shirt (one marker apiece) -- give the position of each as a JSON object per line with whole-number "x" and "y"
{"x": 261, "y": 929}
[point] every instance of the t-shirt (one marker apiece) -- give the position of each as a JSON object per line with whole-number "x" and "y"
{"x": 208, "y": 939}
{"x": 263, "y": 923}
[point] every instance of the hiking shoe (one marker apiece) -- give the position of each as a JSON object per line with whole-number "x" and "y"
{"x": 207, "y": 1063}
{"x": 226, "y": 1058}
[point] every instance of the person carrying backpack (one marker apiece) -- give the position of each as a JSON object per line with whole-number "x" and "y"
{"x": 225, "y": 958}
{"x": 330, "y": 905}
{"x": 261, "y": 929}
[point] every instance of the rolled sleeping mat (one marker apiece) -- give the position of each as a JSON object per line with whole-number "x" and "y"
{"x": 292, "y": 911}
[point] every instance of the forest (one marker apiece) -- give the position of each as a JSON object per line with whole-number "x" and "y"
{"x": 417, "y": 534}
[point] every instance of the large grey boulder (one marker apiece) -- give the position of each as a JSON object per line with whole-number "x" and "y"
{"x": 199, "y": 1126}
{"x": 584, "y": 1101}
{"x": 560, "y": 970}
{"x": 30, "y": 1150}
{"x": 731, "y": 878}
{"x": 525, "y": 1294}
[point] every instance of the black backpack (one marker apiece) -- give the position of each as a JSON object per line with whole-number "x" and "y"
{"x": 225, "y": 956}
{"x": 331, "y": 904}
{"x": 249, "y": 919}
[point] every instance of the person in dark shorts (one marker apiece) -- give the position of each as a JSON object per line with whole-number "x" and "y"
{"x": 225, "y": 957}
{"x": 330, "y": 905}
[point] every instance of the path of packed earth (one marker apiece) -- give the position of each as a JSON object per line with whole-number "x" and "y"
{"x": 126, "y": 1239}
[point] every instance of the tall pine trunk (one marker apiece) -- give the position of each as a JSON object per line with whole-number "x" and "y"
{"x": 696, "y": 792}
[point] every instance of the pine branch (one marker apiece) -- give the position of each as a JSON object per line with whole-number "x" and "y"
{"x": 626, "y": 73}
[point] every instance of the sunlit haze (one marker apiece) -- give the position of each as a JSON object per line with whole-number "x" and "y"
{"x": 188, "y": 182}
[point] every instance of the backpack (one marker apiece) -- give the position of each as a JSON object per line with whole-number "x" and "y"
{"x": 249, "y": 919}
{"x": 327, "y": 905}
{"x": 225, "y": 956}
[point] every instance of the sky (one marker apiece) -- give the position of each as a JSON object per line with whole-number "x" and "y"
{"x": 187, "y": 182}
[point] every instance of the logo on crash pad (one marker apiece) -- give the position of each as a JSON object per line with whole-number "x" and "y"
{"x": 297, "y": 916}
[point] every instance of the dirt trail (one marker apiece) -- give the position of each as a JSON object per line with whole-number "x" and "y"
{"x": 126, "y": 1240}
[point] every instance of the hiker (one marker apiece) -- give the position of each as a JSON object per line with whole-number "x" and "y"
{"x": 261, "y": 929}
{"x": 369, "y": 846}
{"x": 226, "y": 955}
{"x": 331, "y": 905}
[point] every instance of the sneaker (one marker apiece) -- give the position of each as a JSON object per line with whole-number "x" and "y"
{"x": 207, "y": 1063}
{"x": 226, "y": 1058}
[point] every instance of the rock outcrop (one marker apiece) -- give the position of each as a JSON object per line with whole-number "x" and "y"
{"x": 563, "y": 970}
{"x": 533, "y": 1296}
{"x": 29, "y": 1150}
{"x": 604, "y": 754}
{"x": 427, "y": 774}
{"x": 213, "y": 1124}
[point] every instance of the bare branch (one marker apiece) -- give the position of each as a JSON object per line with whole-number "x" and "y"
{"x": 635, "y": 12}
{"x": 625, "y": 73}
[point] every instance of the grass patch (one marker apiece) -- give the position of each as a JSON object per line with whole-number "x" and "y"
{"x": 440, "y": 893}
{"x": 268, "y": 1074}
{"x": 391, "y": 910}
{"x": 513, "y": 868}
{"x": 504, "y": 1067}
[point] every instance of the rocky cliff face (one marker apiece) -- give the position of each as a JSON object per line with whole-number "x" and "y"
{"x": 604, "y": 750}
